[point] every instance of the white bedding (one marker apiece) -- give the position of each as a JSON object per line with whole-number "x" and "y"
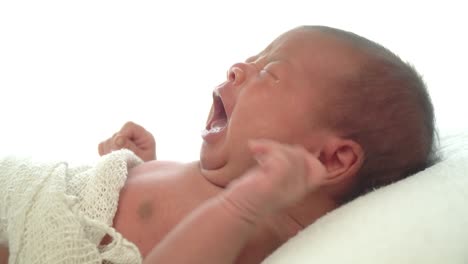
{"x": 53, "y": 213}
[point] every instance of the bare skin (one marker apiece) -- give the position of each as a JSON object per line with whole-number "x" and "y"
{"x": 232, "y": 205}
{"x": 255, "y": 228}
{"x": 3, "y": 255}
{"x": 134, "y": 137}
{"x": 274, "y": 77}
{"x": 186, "y": 191}
{"x": 159, "y": 192}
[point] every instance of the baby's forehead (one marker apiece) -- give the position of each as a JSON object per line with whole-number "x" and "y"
{"x": 309, "y": 48}
{"x": 318, "y": 57}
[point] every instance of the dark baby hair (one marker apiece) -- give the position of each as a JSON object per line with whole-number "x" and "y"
{"x": 384, "y": 107}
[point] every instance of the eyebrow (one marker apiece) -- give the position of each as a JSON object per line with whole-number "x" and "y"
{"x": 267, "y": 60}
{"x": 259, "y": 59}
{"x": 251, "y": 59}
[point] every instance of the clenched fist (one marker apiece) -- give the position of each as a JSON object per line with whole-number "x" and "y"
{"x": 284, "y": 175}
{"x": 133, "y": 137}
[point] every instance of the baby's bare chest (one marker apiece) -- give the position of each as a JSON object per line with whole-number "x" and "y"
{"x": 156, "y": 198}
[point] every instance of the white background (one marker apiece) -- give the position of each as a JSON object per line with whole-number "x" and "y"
{"x": 72, "y": 72}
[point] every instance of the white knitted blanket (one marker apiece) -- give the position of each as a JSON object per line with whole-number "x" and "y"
{"x": 50, "y": 213}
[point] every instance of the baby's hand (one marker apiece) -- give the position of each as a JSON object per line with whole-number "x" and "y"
{"x": 285, "y": 174}
{"x": 133, "y": 137}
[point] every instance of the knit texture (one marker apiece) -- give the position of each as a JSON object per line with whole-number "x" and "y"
{"x": 52, "y": 213}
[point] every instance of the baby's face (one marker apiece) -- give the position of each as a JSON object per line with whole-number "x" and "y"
{"x": 277, "y": 94}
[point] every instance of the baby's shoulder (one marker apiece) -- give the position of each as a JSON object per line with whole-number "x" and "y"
{"x": 162, "y": 164}
{"x": 162, "y": 170}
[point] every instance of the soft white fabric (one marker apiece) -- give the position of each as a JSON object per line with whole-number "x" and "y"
{"x": 454, "y": 144}
{"x": 422, "y": 219}
{"x": 50, "y": 213}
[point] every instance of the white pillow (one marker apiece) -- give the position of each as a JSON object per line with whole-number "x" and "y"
{"x": 422, "y": 219}
{"x": 453, "y": 144}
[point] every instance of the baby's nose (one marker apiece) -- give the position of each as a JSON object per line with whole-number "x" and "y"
{"x": 238, "y": 73}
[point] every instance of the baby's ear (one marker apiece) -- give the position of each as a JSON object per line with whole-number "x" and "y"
{"x": 342, "y": 159}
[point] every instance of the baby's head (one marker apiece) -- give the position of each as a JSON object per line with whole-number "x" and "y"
{"x": 383, "y": 105}
{"x": 365, "y": 111}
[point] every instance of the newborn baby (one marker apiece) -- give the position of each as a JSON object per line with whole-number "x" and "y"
{"x": 316, "y": 119}
{"x": 361, "y": 117}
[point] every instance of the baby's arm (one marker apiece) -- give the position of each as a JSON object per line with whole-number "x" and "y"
{"x": 218, "y": 230}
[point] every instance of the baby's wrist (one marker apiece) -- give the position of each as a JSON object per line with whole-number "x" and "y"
{"x": 238, "y": 209}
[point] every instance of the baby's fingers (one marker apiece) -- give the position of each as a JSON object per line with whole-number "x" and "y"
{"x": 105, "y": 147}
{"x": 294, "y": 160}
{"x": 116, "y": 142}
{"x": 263, "y": 146}
{"x": 270, "y": 155}
{"x": 316, "y": 171}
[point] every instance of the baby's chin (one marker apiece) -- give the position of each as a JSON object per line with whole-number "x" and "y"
{"x": 215, "y": 175}
{"x": 222, "y": 175}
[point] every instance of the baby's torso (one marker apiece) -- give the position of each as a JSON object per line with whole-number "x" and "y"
{"x": 156, "y": 196}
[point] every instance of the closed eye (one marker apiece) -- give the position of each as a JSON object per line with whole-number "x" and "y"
{"x": 265, "y": 71}
{"x": 268, "y": 73}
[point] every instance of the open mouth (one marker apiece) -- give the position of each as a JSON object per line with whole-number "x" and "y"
{"x": 218, "y": 119}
